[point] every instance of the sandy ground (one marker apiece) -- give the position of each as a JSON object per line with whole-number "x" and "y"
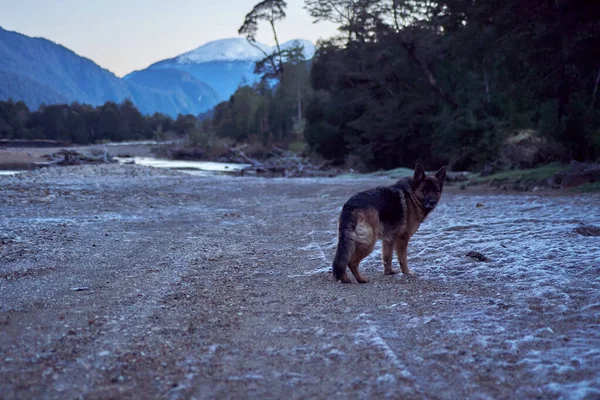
{"x": 128, "y": 282}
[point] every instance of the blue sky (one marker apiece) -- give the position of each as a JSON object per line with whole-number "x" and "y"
{"x": 126, "y": 35}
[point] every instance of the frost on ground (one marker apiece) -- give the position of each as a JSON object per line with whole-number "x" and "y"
{"x": 532, "y": 314}
{"x": 220, "y": 287}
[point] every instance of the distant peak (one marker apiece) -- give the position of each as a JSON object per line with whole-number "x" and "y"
{"x": 236, "y": 49}
{"x": 232, "y": 49}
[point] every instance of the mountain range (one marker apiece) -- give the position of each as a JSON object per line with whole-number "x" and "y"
{"x": 222, "y": 64}
{"x": 39, "y": 71}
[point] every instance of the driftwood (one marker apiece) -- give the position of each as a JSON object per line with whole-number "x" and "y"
{"x": 70, "y": 157}
{"x": 247, "y": 159}
{"x": 279, "y": 163}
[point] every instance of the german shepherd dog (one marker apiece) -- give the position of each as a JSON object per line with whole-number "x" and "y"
{"x": 392, "y": 214}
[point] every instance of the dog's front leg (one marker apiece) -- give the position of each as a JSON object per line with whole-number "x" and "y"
{"x": 387, "y": 253}
{"x": 402, "y": 252}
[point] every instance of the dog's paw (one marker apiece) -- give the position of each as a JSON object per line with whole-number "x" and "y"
{"x": 390, "y": 272}
{"x": 362, "y": 279}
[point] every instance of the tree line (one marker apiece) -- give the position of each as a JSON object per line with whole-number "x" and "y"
{"x": 447, "y": 81}
{"x": 83, "y": 124}
{"x": 273, "y": 109}
{"x": 439, "y": 82}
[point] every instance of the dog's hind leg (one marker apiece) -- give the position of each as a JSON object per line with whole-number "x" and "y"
{"x": 387, "y": 253}
{"x": 364, "y": 237}
{"x": 343, "y": 254}
{"x": 362, "y": 250}
{"x": 359, "y": 277}
{"x": 344, "y": 278}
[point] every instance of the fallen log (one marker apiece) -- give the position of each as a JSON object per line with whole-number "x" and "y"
{"x": 71, "y": 157}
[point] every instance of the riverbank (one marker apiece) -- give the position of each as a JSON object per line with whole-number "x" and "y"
{"x": 554, "y": 177}
{"x": 575, "y": 177}
{"x": 26, "y": 157}
{"x": 160, "y": 155}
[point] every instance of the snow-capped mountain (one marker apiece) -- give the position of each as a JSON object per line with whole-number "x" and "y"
{"x": 222, "y": 64}
{"x": 309, "y": 47}
{"x": 237, "y": 49}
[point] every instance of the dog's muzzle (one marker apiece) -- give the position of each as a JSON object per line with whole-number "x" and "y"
{"x": 430, "y": 204}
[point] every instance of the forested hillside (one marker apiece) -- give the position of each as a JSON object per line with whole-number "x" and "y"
{"x": 440, "y": 82}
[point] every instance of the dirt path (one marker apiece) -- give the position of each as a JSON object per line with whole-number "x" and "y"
{"x": 220, "y": 288}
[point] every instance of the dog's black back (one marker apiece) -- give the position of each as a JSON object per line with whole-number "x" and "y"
{"x": 386, "y": 200}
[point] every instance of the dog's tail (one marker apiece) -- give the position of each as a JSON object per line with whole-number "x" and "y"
{"x": 345, "y": 247}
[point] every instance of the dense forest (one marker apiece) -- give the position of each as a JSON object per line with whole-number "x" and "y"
{"x": 439, "y": 82}
{"x": 84, "y": 124}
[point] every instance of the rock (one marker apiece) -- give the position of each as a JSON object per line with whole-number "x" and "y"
{"x": 518, "y": 187}
{"x": 488, "y": 169}
{"x": 454, "y": 176}
{"x": 578, "y": 174}
{"x": 477, "y": 256}
{"x": 587, "y": 230}
{"x": 527, "y": 149}
{"x": 188, "y": 153}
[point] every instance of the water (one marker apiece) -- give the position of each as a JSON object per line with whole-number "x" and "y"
{"x": 202, "y": 168}
{"x": 190, "y": 167}
{"x": 9, "y": 173}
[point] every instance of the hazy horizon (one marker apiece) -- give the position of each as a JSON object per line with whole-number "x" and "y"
{"x": 128, "y": 35}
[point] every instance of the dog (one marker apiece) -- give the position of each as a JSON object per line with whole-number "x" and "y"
{"x": 392, "y": 214}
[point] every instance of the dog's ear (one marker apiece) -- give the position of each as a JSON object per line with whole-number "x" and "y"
{"x": 441, "y": 174}
{"x": 419, "y": 173}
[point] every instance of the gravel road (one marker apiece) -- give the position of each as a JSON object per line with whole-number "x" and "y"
{"x": 121, "y": 281}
